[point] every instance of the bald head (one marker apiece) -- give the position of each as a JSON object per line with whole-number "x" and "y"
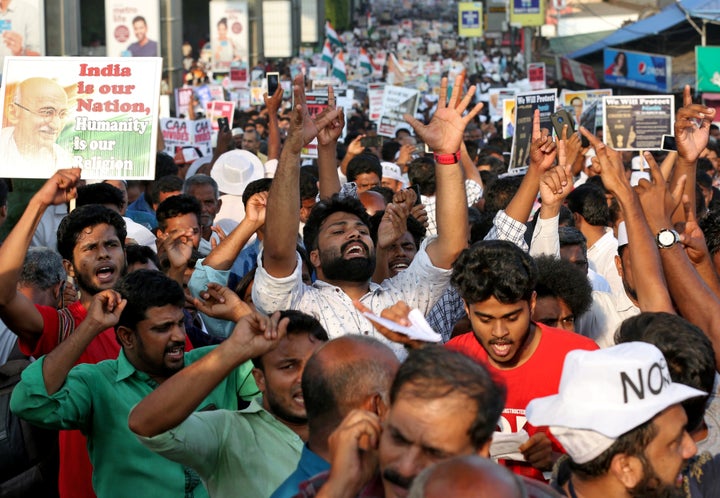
{"x": 470, "y": 476}
{"x": 38, "y": 114}
{"x": 349, "y": 372}
{"x": 373, "y": 201}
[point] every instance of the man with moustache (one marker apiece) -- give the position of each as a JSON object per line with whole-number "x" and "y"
{"x": 620, "y": 418}
{"x": 146, "y": 310}
{"x": 253, "y": 449}
{"x": 337, "y": 236}
{"x": 36, "y": 115}
{"x": 91, "y": 242}
{"x": 442, "y": 404}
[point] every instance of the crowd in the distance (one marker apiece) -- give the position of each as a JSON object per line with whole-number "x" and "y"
{"x": 219, "y": 331}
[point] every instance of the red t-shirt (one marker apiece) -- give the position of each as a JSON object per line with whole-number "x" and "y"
{"x": 75, "y": 476}
{"x": 539, "y": 376}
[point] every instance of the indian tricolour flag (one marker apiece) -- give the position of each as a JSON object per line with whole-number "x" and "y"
{"x": 364, "y": 62}
{"x": 332, "y": 35}
{"x": 339, "y": 67}
{"x": 327, "y": 53}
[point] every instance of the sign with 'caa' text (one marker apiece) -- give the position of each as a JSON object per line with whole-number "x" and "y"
{"x": 95, "y": 113}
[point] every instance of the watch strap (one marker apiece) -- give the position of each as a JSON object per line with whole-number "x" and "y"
{"x": 447, "y": 158}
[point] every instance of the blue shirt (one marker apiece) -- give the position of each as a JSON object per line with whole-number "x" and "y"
{"x": 310, "y": 464}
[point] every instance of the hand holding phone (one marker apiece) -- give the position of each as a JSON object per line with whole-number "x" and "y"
{"x": 273, "y": 80}
{"x": 223, "y": 124}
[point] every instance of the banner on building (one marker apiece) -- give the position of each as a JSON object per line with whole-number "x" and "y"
{"x": 638, "y": 70}
{"x": 132, "y": 28}
{"x": 229, "y": 39}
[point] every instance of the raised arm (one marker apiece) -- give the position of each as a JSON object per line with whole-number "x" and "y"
{"x": 283, "y": 207}
{"x": 444, "y": 134}
{"x": 272, "y": 103}
{"x": 176, "y": 398}
{"x": 103, "y": 313}
{"x": 542, "y": 158}
{"x": 222, "y": 257}
{"x": 692, "y": 131}
{"x": 555, "y": 185}
{"x": 652, "y": 294}
{"x": 17, "y": 311}
{"x": 329, "y": 182}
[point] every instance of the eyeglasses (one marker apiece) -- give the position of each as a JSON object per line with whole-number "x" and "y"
{"x": 47, "y": 113}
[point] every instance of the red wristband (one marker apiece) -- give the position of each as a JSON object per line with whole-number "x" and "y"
{"x": 447, "y": 158}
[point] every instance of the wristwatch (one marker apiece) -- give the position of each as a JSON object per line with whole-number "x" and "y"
{"x": 666, "y": 238}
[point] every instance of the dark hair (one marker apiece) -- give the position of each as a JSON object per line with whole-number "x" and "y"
{"x": 496, "y": 164}
{"x": 86, "y": 217}
{"x": 299, "y": 323}
{"x": 389, "y": 149}
{"x": 687, "y": 350}
{"x": 3, "y": 192}
{"x": 566, "y": 217}
{"x": 308, "y": 184}
{"x": 571, "y": 236}
{"x": 165, "y": 184}
{"x": 500, "y": 192}
{"x": 472, "y": 149}
{"x": 255, "y": 187}
{"x": 330, "y": 392}
{"x": 421, "y": 172}
{"x": 632, "y": 443}
{"x": 223, "y": 20}
{"x": 139, "y": 18}
{"x": 710, "y": 226}
{"x": 434, "y": 372}
{"x": 145, "y": 289}
{"x": 100, "y": 193}
{"x": 704, "y": 164}
{"x": 494, "y": 268}
{"x": 363, "y": 163}
{"x": 198, "y": 180}
{"x": 325, "y": 208}
{"x": 589, "y": 201}
{"x": 386, "y": 192}
{"x": 175, "y": 206}
{"x": 135, "y": 253}
{"x": 563, "y": 280}
{"x": 165, "y": 166}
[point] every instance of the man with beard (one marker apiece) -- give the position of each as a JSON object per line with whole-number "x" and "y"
{"x": 91, "y": 242}
{"x": 619, "y": 416}
{"x": 337, "y": 236}
{"x": 147, "y": 312}
{"x": 253, "y": 449}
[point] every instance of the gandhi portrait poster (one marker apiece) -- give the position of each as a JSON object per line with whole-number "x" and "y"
{"x": 95, "y": 113}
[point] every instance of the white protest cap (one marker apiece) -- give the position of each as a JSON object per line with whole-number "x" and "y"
{"x": 403, "y": 126}
{"x": 610, "y": 391}
{"x": 638, "y": 163}
{"x": 583, "y": 446}
{"x": 235, "y": 169}
{"x": 622, "y": 237}
{"x": 391, "y": 171}
{"x": 237, "y": 132}
{"x": 195, "y": 166}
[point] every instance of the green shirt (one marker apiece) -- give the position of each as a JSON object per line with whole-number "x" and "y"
{"x": 237, "y": 453}
{"x": 97, "y": 400}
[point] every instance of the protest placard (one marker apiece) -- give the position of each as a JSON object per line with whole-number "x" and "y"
{"x": 183, "y": 101}
{"x": 525, "y": 105}
{"x": 579, "y": 103}
{"x": 317, "y": 102}
{"x": 508, "y": 118}
{"x": 397, "y": 101}
{"x": 132, "y": 28}
{"x": 375, "y": 99}
{"x": 495, "y": 102}
{"x": 637, "y": 122}
{"x": 536, "y": 75}
{"x": 99, "y": 114}
{"x": 185, "y": 132}
{"x": 220, "y": 109}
